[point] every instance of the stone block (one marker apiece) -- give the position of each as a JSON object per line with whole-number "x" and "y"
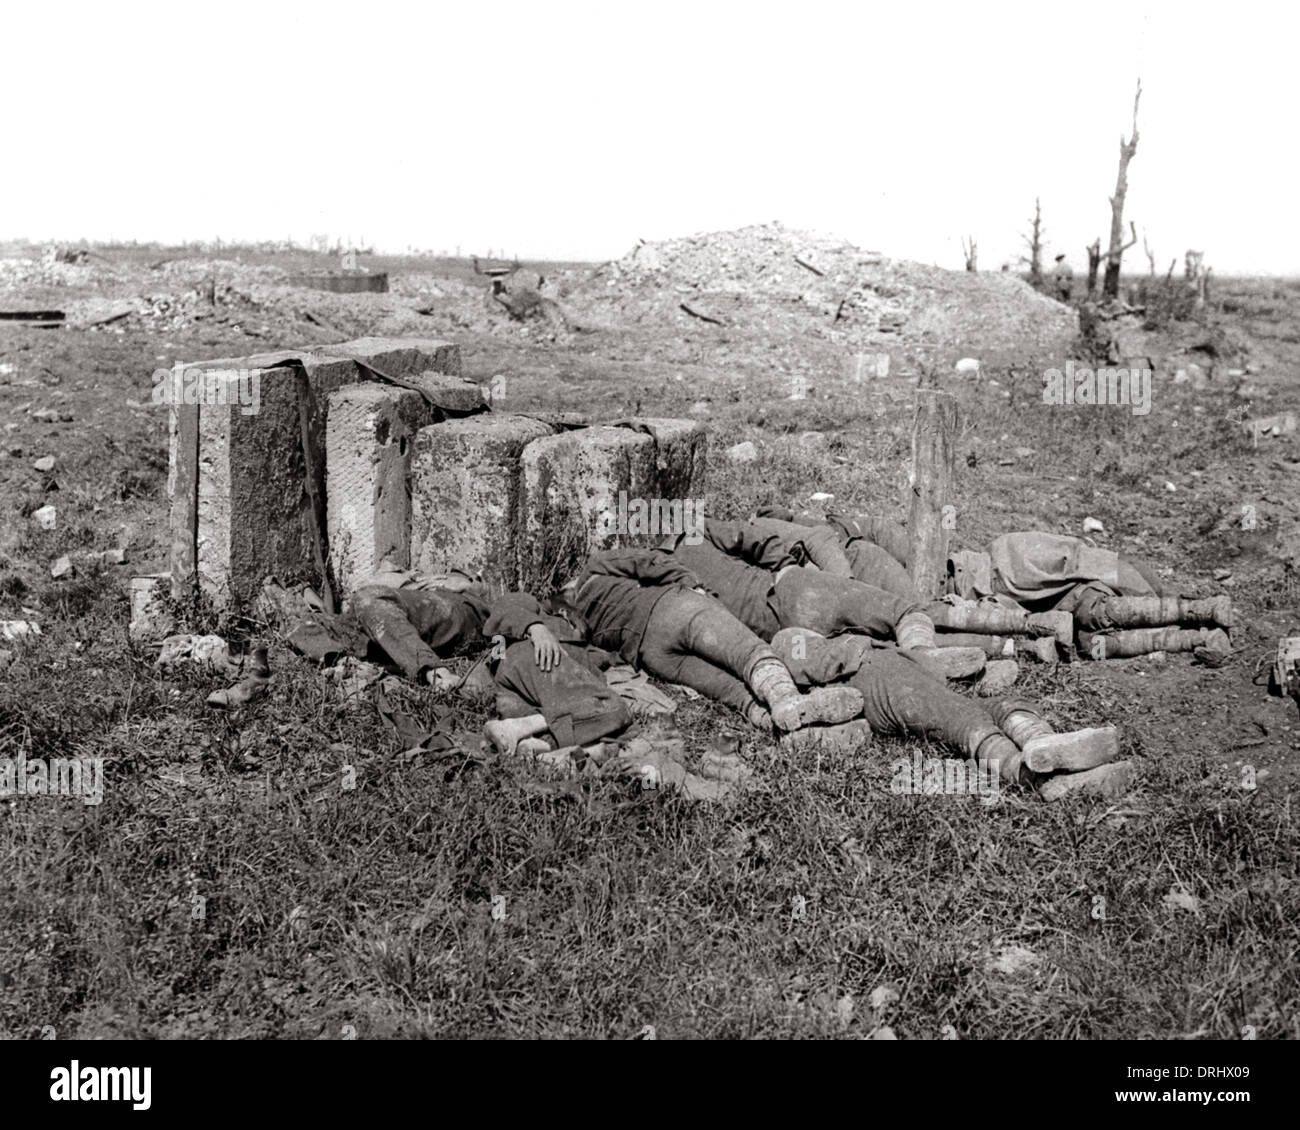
{"x": 681, "y": 456}
{"x": 369, "y": 441}
{"x": 241, "y": 497}
{"x": 572, "y": 483}
{"x": 465, "y": 496}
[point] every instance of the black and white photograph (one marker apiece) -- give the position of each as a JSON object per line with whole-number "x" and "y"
{"x": 673, "y": 522}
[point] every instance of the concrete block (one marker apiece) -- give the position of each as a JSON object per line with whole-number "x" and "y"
{"x": 400, "y": 356}
{"x": 681, "y": 456}
{"x": 572, "y": 484}
{"x": 465, "y": 495}
{"x": 240, "y": 496}
{"x": 369, "y": 440}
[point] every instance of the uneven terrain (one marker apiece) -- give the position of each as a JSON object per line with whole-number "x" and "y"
{"x": 228, "y": 886}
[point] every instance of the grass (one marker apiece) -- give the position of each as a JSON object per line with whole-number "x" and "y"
{"x": 231, "y": 885}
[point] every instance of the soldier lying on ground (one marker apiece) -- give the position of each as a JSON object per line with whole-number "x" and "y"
{"x": 753, "y": 568}
{"x": 1012, "y": 741}
{"x": 1040, "y": 572}
{"x": 641, "y": 605}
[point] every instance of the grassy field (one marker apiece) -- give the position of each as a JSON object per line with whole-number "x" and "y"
{"x": 230, "y": 885}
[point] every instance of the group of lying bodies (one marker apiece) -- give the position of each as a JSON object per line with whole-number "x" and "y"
{"x": 794, "y": 620}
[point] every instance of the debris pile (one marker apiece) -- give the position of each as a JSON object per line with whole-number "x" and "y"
{"x": 783, "y": 282}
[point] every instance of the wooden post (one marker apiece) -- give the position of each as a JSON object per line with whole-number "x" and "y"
{"x": 183, "y": 487}
{"x": 934, "y": 434}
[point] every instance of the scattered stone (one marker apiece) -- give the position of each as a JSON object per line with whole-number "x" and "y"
{"x": 1013, "y": 961}
{"x": 1223, "y": 574}
{"x": 742, "y": 452}
{"x": 882, "y": 996}
{"x": 821, "y": 498}
{"x": 18, "y": 631}
{"x": 149, "y": 620}
{"x": 46, "y": 415}
{"x": 1179, "y": 898}
{"x": 46, "y": 517}
{"x": 999, "y": 676}
{"x": 1170, "y": 486}
{"x": 61, "y": 568}
{"x": 1093, "y": 526}
{"x": 967, "y": 365}
{"x": 44, "y": 463}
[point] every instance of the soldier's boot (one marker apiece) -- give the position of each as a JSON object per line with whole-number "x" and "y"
{"x": 1157, "y": 611}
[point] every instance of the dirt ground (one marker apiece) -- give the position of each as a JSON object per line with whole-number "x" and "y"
{"x": 328, "y": 913}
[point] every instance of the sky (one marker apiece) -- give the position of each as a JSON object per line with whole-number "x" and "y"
{"x": 557, "y": 129}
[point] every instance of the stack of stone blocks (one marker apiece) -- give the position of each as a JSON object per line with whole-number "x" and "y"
{"x": 417, "y": 472}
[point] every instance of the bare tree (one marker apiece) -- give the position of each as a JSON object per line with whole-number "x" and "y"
{"x": 1034, "y": 241}
{"x": 1094, "y": 265}
{"x": 970, "y": 249}
{"x": 1151, "y": 255}
{"x": 1115, "y": 253}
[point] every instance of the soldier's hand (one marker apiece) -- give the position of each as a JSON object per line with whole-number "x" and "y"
{"x": 546, "y": 648}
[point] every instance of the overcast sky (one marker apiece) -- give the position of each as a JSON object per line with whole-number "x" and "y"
{"x": 569, "y": 130}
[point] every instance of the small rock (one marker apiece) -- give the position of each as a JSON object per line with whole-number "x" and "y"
{"x": 1223, "y": 574}
{"x": 44, "y": 463}
{"x": 46, "y": 415}
{"x": 61, "y": 568}
{"x": 45, "y": 517}
{"x": 820, "y": 498}
{"x": 1093, "y": 526}
{"x": 742, "y": 452}
{"x": 967, "y": 365}
{"x": 1181, "y": 899}
{"x": 882, "y": 996}
{"x": 1170, "y": 486}
{"x": 15, "y": 631}
{"x": 999, "y": 675}
{"x": 884, "y": 1032}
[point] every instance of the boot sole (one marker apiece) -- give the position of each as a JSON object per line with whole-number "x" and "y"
{"x": 829, "y": 705}
{"x": 1110, "y": 780}
{"x": 1072, "y": 752}
{"x": 957, "y": 662}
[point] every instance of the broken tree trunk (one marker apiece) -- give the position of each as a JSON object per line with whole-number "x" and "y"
{"x": 1035, "y": 243}
{"x": 934, "y": 436}
{"x": 1094, "y": 265}
{"x": 1115, "y": 253}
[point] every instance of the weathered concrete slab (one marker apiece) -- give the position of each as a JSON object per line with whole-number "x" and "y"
{"x": 369, "y": 441}
{"x": 253, "y": 514}
{"x": 572, "y": 483}
{"x": 681, "y": 456}
{"x": 400, "y": 356}
{"x": 466, "y": 495}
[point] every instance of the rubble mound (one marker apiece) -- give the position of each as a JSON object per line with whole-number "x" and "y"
{"x": 775, "y": 279}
